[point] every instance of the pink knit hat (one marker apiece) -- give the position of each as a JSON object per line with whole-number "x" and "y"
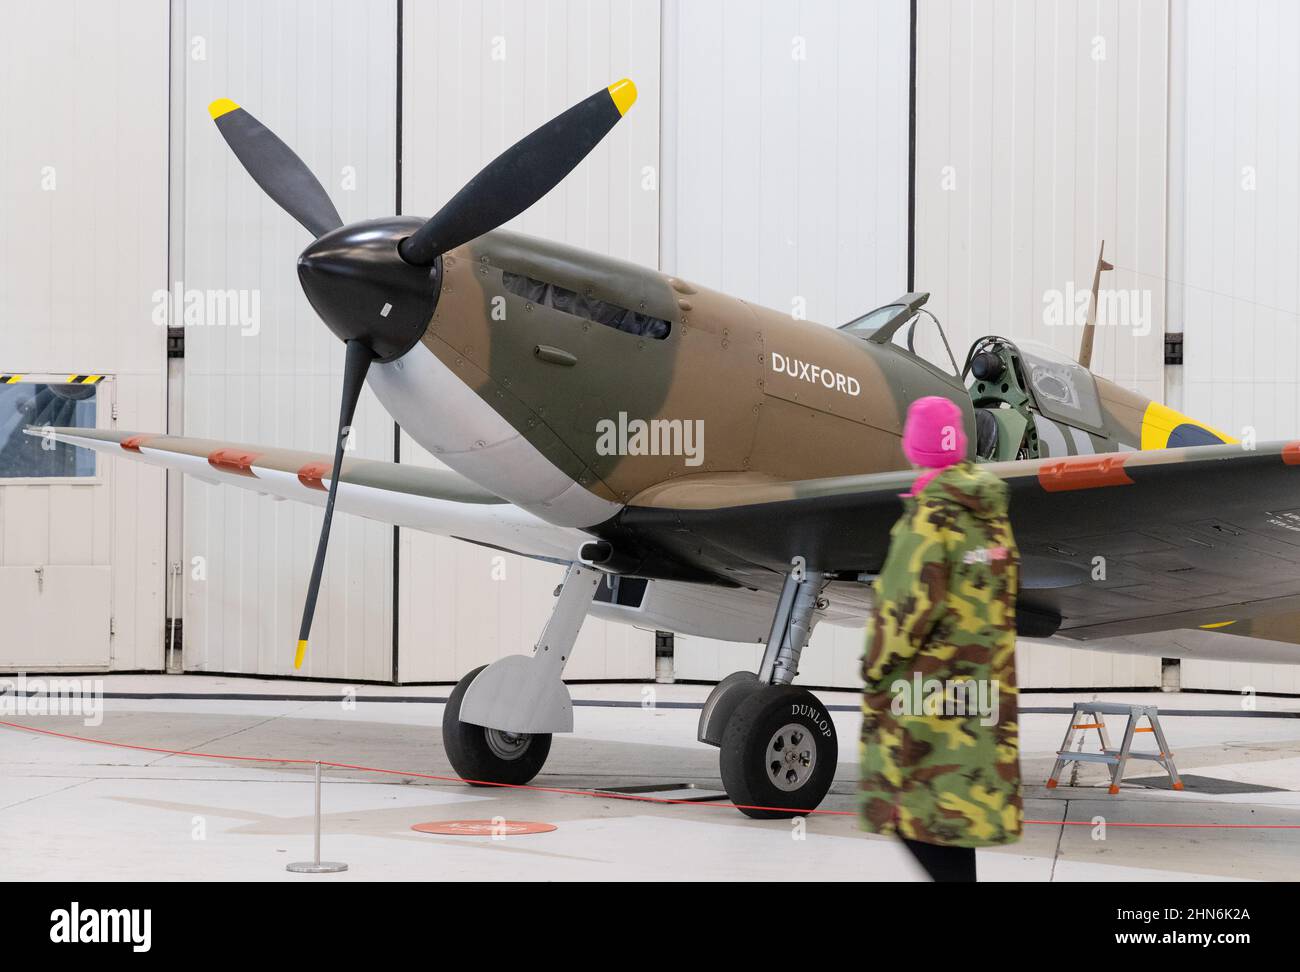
{"x": 933, "y": 438}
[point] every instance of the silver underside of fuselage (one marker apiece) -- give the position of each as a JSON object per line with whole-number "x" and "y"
{"x": 450, "y": 420}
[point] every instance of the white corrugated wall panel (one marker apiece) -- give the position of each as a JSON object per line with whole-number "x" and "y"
{"x": 322, "y": 75}
{"x": 477, "y": 76}
{"x": 87, "y": 97}
{"x": 1041, "y": 130}
{"x": 785, "y": 151}
{"x": 1237, "y": 284}
{"x": 785, "y": 183}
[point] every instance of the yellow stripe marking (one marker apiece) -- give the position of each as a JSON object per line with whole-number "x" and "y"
{"x": 624, "y": 94}
{"x": 1218, "y": 624}
{"x": 1159, "y": 422}
{"x": 222, "y": 106}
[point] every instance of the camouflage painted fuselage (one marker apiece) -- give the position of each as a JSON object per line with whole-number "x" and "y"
{"x": 513, "y": 392}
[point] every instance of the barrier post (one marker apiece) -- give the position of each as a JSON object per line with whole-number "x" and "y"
{"x": 316, "y": 865}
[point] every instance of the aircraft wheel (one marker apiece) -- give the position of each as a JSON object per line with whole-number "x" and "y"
{"x": 482, "y": 756}
{"x": 779, "y": 751}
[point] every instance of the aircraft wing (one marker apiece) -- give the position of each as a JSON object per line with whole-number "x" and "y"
{"x": 1115, "y": 544}
{"x": 437, "y": 501}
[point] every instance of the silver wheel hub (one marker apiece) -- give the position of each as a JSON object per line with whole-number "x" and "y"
{"x": 791, "y": 757}
{"x": 507, "y": 745}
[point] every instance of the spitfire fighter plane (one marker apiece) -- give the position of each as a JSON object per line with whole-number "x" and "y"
{"x": 567, "y": 393}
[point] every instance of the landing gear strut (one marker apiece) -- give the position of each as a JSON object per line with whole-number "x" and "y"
{"x": 499, "y": 719}
{"x": 778, "y": 744}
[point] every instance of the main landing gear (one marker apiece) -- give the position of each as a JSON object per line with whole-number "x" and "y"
{"x": 499, "y": 719}
{"x": 778, "y": 744}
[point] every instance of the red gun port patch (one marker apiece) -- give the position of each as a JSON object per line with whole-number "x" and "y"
{"x": 132, "y": 443}
{"x": 311, "y": 475}
{"x": 1086, "y": 473}
{"x": 1291, "y": 453}
{"x": 238, "y": 461}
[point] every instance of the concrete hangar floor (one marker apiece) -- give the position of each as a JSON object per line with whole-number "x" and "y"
{"x": 73, "y": 809}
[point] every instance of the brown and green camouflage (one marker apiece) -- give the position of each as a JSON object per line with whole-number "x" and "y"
{"x": 944, "y": 613}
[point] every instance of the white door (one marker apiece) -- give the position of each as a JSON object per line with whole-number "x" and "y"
{"x": 55, "y": 556}
{"x": 54, "y": 616}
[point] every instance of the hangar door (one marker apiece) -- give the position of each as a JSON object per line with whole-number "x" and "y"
{"x": 55, "y": 573}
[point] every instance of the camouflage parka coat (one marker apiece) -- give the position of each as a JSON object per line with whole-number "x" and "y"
{"x": 940, "y": 740}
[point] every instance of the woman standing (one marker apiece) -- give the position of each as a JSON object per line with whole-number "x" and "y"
{"x": 940, "y": 740}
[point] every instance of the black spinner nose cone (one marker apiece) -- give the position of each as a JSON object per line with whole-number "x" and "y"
{"x": 363, "y": 290}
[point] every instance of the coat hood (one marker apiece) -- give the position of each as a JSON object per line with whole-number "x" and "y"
{"x": 969, "y": 486}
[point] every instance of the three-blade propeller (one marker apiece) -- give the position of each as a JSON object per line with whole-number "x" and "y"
{"x": 347, "y": 276}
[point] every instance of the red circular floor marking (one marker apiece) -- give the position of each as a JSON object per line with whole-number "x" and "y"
{"x": 483, "y": 828}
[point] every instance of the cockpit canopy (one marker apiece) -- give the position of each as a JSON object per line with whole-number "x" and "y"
{"x": 1063, "y": 389}
{"x": 907, "y": 326}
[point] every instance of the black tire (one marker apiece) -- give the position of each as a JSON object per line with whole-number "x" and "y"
{"x": 721, "y": 704}
{"x": 483, "y": 756}
{"x": 779, "y": 751}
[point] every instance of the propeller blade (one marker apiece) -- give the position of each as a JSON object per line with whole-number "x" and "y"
{"x": 520, "y": 175}
{"x": 355, "y": 366}
{"x": 274, "y": 166}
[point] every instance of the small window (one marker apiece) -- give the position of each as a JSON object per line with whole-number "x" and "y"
{"x": 588, "y": 308}
{"x": 1064, "y": 389}
{"x": 24, "y": 403}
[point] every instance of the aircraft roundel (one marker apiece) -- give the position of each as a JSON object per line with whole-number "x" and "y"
{"x": 1164, "y": 428}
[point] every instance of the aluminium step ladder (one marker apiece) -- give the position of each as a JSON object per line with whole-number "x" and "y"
{"x": 1091, "y": 715}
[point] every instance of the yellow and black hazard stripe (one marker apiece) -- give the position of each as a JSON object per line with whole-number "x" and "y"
{"x": 71, "y": 379}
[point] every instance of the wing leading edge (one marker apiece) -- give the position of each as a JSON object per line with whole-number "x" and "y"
{"x": 437, "y": 501}
{"x": 1115, "y": 544}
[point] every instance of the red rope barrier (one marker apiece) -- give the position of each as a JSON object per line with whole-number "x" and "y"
{"x": 639, "y": 798}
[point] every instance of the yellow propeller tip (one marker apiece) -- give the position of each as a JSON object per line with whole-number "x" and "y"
{"x": 302, "y": 651}
{"x": 624, "y": 94}
{"x": 221, "y": 107}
